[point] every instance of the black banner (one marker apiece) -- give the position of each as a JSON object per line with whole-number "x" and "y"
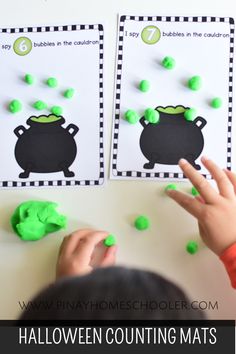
{"x": 160, "y": 337}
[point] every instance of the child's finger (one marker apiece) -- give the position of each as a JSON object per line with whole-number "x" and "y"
{"x": 73, "y": 239}
{"x": 109, "y": 257}
{"x": 192, "y": 205}
{"x": 232, "y": 177}
{"x": 225, "y": 187}
{"x": 86, "y": 246}
{"x": 204, "y": 188}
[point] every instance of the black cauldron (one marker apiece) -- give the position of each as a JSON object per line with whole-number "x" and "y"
{"x": 46, "y": 146}
{"x": 172, "y": 138}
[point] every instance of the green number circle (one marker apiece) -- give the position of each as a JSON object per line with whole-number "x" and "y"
{"x": 151, "y": 34}
{"x": 22, "y": 46}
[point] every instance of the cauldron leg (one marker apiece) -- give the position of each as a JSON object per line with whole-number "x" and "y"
{"x": 192, "y": 161}
{"x": 149, "y": 165}
{"x": 68, "y": 173}
{"x": 26, "y": 172}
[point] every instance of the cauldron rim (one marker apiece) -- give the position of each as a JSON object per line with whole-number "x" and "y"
{"x": 58, "y": 122}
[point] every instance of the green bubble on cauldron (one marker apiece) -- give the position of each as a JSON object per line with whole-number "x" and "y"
{"x": 192, "y": 247}
{"x": 171, "y": 109}
{"x": 57, "y": 110}
{"x": 46, "y": 119}
{"x": 69, "y": 93}
{"x": 144, "y": 85}
{"x": 29, "y": 79}
{"x": 110, "y": 240}
{"x": 131, "y": 116}
{"x": 15, "y": 106}
{"x": 194, "y": 192}
{"x": 168, "y": 63}
{"x": 190, "y": 114}
{"x": 142, "y": 222}
{"x": 216, "y": 102}
{"x": 195, "y": 83}
{"x": 171, "y": 187}
{"x": 52, "y": 82}
{"x": 152, "y": 116}
{"x": 40, "y": 105}
{"x": 32, "y": 220}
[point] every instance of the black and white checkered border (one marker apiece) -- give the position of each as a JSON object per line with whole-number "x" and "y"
{"x": 138, "y": 174}
{"x": 57, "y": 183}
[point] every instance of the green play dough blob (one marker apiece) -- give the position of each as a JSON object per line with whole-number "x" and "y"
{"x": 57, "y": 110}
{"x": 216, "y": 102}
{"x": 142, "y": 223}
{"x": 131, "y": 116}
{"x": 45, "y": 119}
{"x": 32, "y": 220}
{"x": 144, "y": 85}
{"x": 40, "y": 105}
{"x": 29, "y": 79}
{"x": 192, "y": 247}
{"x": 194, "y": 192}
{"x": 190, "y": 114}
{"x": 52, "y": 82}
{"x": 110, "y": 240}
{"x": 152, "y": 116}
{"x": 171, "y": 186}
{"x": 69, "y": 93}
{"x": 195, "y": 83}
{"x": 171, "y": 110}
{"x": 168, "y": 63}
{"x": 15, "y": 106}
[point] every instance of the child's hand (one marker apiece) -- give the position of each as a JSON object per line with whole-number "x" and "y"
{"x": 77, "y": 251}
{"x": 215, "y": 212}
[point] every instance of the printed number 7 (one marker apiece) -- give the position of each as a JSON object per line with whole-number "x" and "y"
{"x": 152, "y": 32}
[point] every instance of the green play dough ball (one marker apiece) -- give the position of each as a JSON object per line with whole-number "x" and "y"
{"x": 40, "y": 105}
{"x": 171, "y": 186}
{"x": 216, "y": 102}
{"x": 168, "y": 63}
{"x": 32, "y": 220}
{"x": 110, "y": 240}
{"x": 29, "y": 79}
{"x": 52, "y": 82}
{"x": 194, "y": 192}
{"x": 131, "y": 116}
{"x": 57, "y": 110}
{"x": 15, "y": 106}
{"x": 195, "y": 83}
{"x": 152, "y": 116}
{"x": 192, "y": 247}
{"x": 142, "y": 223}
{"x": 69, "y": 93}
{"x": 190, "y": 114}
{"x": 144, "y": 85}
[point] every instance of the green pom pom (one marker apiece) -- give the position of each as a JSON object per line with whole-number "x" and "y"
{"x": 190, "y": 114}
{"x": 32, "y": 220}
{"x": 168, "y": 63}
{"x": 29, "y": 79}
{"x": 194, "y": 192}
{"x": 131, "y": 116}
{"x": 57, "y": 110}
{"x": 142, "y": 223}
{"x": 52, "y": 82}
{"x": 171, "y": 186}
{"x": 195, "y": 83}
{"x": 152, "y": 116}
{"x": 69, "y": 93}
{"x": 110, "y": 240}
{"x": 192, "y": 247}
{"x": 216, "y": 102}
{"x": 144, "y": 85}
{"x": 40, "y": 105}
{"x": 15, "y": 106}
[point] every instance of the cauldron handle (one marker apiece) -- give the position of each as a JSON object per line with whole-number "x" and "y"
{"x": 74, "y": 127}
{"x": 201, "y": 120}
{"x": 143, "y": 122}
{"x": 19, "y": 130}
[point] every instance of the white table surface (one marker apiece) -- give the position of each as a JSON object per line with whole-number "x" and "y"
{"x": 26, "y": 267}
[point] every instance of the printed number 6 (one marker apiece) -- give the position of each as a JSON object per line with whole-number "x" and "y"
{"x": 22, "y": 46}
